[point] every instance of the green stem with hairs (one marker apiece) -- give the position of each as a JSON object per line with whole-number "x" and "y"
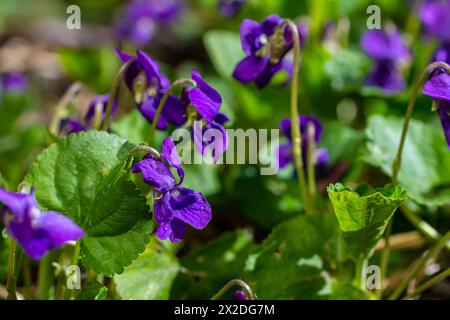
{"x": 235, "y": 282}
{"x": 136, "y": 150}
{"x": 427, "y": 230}
{"x": 419, "y": 266}
{"x": 113, "y": 93}
{"x": 428, "y": 284}
{"x": 11, "y": 276}
{"x": 177, "y": 84}
{"x": 295, "y": 130}
{"x": 311, "y": 162}
{"x": 67, "y": 98}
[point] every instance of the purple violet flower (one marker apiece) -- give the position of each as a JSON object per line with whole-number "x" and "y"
{"x": 264, "y": 55}
{"x": 141, "y": 19}
{"x": 148, "y": 86}
{"x": 438, "y": 88}
{"x": 13, "y": 82}
{"x": 285, "y": 151}
{"x": 387, "y": 49}
{"x": 37, "y": 232}
{"x": 97, "y": 108}
{"x": 435, "y": 16}
{"x": 230, "y": 8}
{"x": 174, "y": 206}
{"x": 207, "y": 102}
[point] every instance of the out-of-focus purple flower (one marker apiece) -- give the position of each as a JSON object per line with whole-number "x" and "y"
{"x": 13, "y": 82}
{"x": 229, "y": 8}
{"x": 141, "y": 18}
{"x": 175, "y": 206}
{"x": 285, "y": 151}
{"x": 239, "y": 295}
{"x": 264, "y": 49}
{"x": 94, "y": 118}
{"x": 37, "y": 232}
{"x": 387, "y": 49}
{"x": 435, "y": 16}
{"x": 148, "y": 86}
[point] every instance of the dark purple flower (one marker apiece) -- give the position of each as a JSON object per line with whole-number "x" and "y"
{"x": 141, "y": 19}
{"x": 148, "y": 86}
{"x": 94, "y": 118}
{"x": 285, "y": 151}
{"x": 387, "y": 50}
{"x": 229, "y": 8}
{"x": 239, "y": 295}
{"x": 174, "y": 206}
{"x": 37, "y": 232}
{"x": 13, "y": 82}
{"x": 213, "y": 135}
{"x": 438, "y": 87}
{"x": 264, "y": 50}
{"x": 435, "y": 16}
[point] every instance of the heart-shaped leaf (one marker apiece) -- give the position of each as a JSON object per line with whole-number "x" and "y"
{"x": 82, "y": 177}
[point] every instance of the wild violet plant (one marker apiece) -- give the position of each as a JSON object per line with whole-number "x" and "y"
{"x": 116, "y": 209}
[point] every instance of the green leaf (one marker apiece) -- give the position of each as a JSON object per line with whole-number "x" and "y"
{"x": 93, "y": 291}
{"x": 224, "y": 49}
{"x": 208, "y": 269}
{"x": 297, "y": 260}
{"x": 149, "y": 277}
{"x": 82, "y": 177}
{"x": 425, "y": 168}
{"x": 363, "y": 216}
{"x": 133, "y": 127}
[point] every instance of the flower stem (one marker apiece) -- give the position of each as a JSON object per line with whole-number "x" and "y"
{"x": 427, "y": 230}
{"x": 295, "y": 130}
{"x": 136, "y": 150}
{"x": 113, "y": 93}
{"x": 419, "y": 266}
{"x": 67, "y": 98}
{"x": 176, "y": 84}
{"x": 428, "y": 284}
{"x": 11, "y": 277}
{"x": 311, "y": 162}
{"x": 235, "y": 282}
{"x": 45, "y": 276}
{"x": 75, "y": 258}
{"x": 409, "y": 111}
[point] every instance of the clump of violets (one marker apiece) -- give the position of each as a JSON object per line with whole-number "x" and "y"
{"x": 174, "y": 206}
{"x": 13, "y": 82}
{"x": 388, "y": 51}
{"x": 285, "y": 151}
{"x": 141, "y": 19}
{"x": 230, "y": 8}
{"x": 148, "y": 86}
{"x": 94, "y": 117}
{"x": 265, "y": 45}
{"x": 37, "y": 232}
